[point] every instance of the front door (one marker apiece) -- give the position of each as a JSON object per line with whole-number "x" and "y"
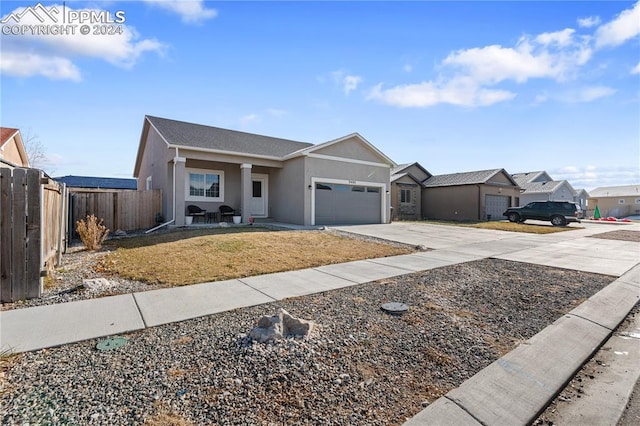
{"x": 259, "y": 195}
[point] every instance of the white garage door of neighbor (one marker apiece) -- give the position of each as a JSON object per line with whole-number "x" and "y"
{"x": 340, "y": 204}
{"x": 495, "y": 205}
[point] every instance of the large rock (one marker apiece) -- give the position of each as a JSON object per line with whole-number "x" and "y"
{"x": 98, "y": 284}
{"x": 281, "y": 326}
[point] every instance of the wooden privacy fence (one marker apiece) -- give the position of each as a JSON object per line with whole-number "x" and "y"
{"x": 121, "y": 210}
{"x": 32, "y": 226}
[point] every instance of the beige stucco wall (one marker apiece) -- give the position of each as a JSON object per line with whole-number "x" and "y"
{"x": 287, "y": 197}
{"x": 462, "y": 203}
{"x": 611, "y": 206}
{"x": 352, "y": 148}
{"x": 156, "y": 163}
{"x": 451, "y": 202}
{"x": 11, "y": 154}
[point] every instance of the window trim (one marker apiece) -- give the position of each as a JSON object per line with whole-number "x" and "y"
{"x": 149, "y": 183}
{"x": 408, "y": 192}
{"x": 188, "y": 197}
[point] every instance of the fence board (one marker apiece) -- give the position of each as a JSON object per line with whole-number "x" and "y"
{"x": 34, "y": 236}
{"x": 6, "y": 201}
{"x": 19, "y": 235}
{"x": 26, "y": 232}
{"x": 120, "y": 210}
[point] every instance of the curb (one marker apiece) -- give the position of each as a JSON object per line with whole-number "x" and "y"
{"x": 516, "y": 388}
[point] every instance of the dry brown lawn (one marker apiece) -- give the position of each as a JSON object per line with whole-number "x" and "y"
{"x": 190, "y": 257}
{"x": 522, "y": 227}
{"x": 507, "y": 226}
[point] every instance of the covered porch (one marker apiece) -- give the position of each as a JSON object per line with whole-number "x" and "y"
{"x": 215, "y": 191}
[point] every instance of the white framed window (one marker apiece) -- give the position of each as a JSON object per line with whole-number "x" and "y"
{"x": 149, "y": 183}
{"x": 204, "y": 185}
{"x": 405, "y": 196}
{"x": 621, "y": 201}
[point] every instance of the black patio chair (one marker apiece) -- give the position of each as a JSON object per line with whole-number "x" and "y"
{"x": 195, "y": 211}
{"x": 227, "y": 213}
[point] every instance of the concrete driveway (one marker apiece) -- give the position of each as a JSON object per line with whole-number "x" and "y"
{"x": 569, "y": 250}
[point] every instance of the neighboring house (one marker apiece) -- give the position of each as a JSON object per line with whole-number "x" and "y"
{"x": 615, "y": 201}
{"x": 97, "y": 184}
{"x": 406, "y": 191}
{"x": 581, "y": 198}
{"x": 343, "y": 181}
{"x": 539, "y": 186}
{"x": 470, "y": 196}
{"x": 12, "y": 150}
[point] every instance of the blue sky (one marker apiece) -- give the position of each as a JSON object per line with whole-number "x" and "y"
{"x": 456, "y": 86}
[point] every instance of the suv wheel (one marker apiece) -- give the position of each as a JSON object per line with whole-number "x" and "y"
{"x": 558, "y": 220}
{"x": 514, "y": 217}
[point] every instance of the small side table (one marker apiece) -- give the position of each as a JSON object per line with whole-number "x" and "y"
{"x": 211, "y": 217}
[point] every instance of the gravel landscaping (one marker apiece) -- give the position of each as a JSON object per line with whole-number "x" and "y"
{"x": 621, "y": 235}
{"x": 361, "y": 366}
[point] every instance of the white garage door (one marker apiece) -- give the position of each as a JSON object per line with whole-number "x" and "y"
{"x": 495, "y": 205}
{"x": 339, "y": 204}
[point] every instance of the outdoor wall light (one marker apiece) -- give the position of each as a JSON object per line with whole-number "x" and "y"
{"x": 310, "y": 187}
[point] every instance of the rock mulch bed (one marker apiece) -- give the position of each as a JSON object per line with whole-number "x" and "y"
{"x": 362, "y": 366}
{"x": 66, "y": 282}
{"x": 621, "y": 235}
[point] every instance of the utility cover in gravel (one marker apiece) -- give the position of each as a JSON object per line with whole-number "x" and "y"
{"x": 361, "y": 367}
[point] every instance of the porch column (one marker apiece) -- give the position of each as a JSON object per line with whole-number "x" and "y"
{"x": 179, "y": 196}
{"x": 245, "y": 190}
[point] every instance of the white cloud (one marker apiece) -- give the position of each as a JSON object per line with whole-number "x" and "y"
{"x": 347, "y": 82}
{"x": 407, "y": 68}
{"x": 277, "y": 113}
{"x": 636, "y": 69}
{"x": 249, "y": 118}
{"x": 191, "y": 11}
{"x": 458, "y": 92}
{"x": 586, "y": 94}
{"x": 560, "y": 38}
{"x": 591, "y": 176}
{"x": 624, "y": 27}
{"x": 550, "y": 55}
{"x": 51, "y": 55}
{"x": 589, "y": 22}
{"x": 29, "y": 64}
{"x": 468, "y": 77}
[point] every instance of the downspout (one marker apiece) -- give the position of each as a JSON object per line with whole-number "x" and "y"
{"x": 174, "y": 199}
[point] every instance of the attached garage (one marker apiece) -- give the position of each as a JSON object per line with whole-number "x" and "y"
{"x": 343, "y": 204}
{"x": 495, "y": 205}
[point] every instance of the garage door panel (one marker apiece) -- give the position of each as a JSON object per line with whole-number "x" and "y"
{"x": 495, "y": 205}
{"x": 346, "y": 204}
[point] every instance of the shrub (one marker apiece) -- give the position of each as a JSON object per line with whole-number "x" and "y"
{"x": 92, "y": 232}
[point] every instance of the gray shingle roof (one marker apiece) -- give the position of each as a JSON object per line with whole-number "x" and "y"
{"x": 541, "y": 187}
{"x": 199, "y": 136}
{"x": 98, "y": 182}
{"x": 466, "y": 178}
{"x": 522, "y": 178}
{"x": 616, "y": 191}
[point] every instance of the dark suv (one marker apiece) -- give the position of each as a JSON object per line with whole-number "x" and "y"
{"x": 558, "y": 212}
